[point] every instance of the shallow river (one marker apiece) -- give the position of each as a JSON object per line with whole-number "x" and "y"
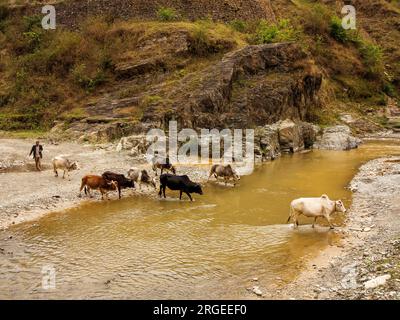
{"x": 146, "y": 248}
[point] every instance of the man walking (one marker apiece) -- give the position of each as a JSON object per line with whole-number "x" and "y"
{"x": 37, "y": 150}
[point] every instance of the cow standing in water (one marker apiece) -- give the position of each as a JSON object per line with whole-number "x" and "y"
{"x": 122, "y": 181}
{"x": 226, "y": 172}
{"x": 92, "y": 182}
{"x": 181, "y": 183}
{"x": 315, "y": 208}
{"x": 141, "y": 177}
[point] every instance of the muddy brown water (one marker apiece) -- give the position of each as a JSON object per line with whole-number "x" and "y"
{"x": 146, "y": 248}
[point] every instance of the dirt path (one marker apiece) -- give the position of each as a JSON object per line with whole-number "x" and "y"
{"x": 370, "y": 247}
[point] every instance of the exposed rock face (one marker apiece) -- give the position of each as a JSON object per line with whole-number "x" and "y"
{"x": 249, "y": 87}
{"x": 270, "y": 141}
{"x": 338, "y": 138}
{"x": 290, "y": 136}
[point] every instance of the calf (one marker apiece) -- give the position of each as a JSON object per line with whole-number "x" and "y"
{"x": 141, "y": 176}
{"x": 159, "y": 163}
{"x": 62, "y": 163}
{"x": 92, "y": 182}
{"x": 122, "y": 181}
{"x": 315, "y": 208}
{"x": 181, "y": 183}
{"x": 226, "y": 172}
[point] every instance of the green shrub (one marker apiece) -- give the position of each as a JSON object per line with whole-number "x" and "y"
{"x": 317, "y": 20}
{"x": 33, "y": 40}
{"x": 270, "y": 32}
{"x": 389, "y": 89}
{"x": 85, "y": 81}
{"x": 199, "y": 42}
{"x": 31, "y": 22}
{"x": 336, "y": 30}
{"x": 167, "y": 14}
{"x": 372, "y": 57}
{"x": 238, "y": 25}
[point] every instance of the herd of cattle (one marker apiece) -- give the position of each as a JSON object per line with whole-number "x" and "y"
{"x": 110, "y": 181}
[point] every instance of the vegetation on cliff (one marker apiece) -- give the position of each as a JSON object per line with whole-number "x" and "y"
{"x": 73, "y": 73}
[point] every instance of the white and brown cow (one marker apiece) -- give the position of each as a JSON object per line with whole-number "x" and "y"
{"x": 63, "y": 163}
{"x": 315, "y": 208}
{"x": 141, "y": 177}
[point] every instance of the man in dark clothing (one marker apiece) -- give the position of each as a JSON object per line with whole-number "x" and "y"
{"x": 37, "y": 150}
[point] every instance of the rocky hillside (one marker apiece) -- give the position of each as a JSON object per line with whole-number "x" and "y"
{"x": 137, "y": 64}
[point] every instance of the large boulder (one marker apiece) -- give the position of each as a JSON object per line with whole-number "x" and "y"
{"x": 309, "y": 134}
{"x": 290, "y": 136}
{"x": 266, "y": 143}
{"x": 338, "y": 138}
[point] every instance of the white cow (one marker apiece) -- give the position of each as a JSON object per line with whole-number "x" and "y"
{"x": 63, "y": 163}
{"x": 141, "y": 176}
{"x": 315, "y": 208}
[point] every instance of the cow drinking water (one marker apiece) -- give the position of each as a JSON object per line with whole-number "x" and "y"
{"x": 315, "y": 208}
{"x": 226, "y": 172}
{"x": 122, "y": 181}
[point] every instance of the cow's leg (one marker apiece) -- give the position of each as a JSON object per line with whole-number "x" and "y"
{"x": 315, "y": 220}
{"x": 55, "y": 171}
{"x": 64, "y": 174}
{"x": 102, "y": 194}
{"x": 160, "y": 193}
{"x": 165, "y": 187}
{"x": 180, "y": 195}
{"x": 80, "y": 190}
{"x": 190, "y": 197}
{"x": 296, "y": 219}
{"x": 328, "y": 218}
{"x": 119, "y": 191}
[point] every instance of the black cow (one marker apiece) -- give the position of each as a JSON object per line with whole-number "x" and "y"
{"x": 122, "y": 181}
{"x": 181, "y": 183}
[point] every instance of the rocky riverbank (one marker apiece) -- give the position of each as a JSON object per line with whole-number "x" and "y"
{"x": 366, "y": 264}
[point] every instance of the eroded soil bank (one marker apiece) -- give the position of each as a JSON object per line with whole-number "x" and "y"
{"x": 371, "y": 246}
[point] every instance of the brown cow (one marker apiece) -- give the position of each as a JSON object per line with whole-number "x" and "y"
{"x": 97, "y": 183}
